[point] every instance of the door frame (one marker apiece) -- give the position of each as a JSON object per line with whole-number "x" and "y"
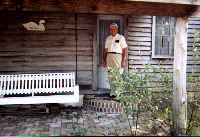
{"x": 106, "y": 17}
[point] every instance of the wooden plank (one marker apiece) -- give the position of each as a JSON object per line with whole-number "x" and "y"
{"x": 138, "y": 43}
{"x": 190, "y": 58}
{"x": 141, "y": 25}
{"x": 179, "y": 70}
{"x": 190, "y": 35}
{"x": 135, "y": 29}
{"x": 140, "y": 20}
{"x": 139, "y": 53}
{"x": 132, "y": 68}
{"x": 153, "y": 62}
{"x": 194, "y": 22}
{"x": 192, "y": 30}
{"x": 139, "y": 57}
{"x": 94, "y": 84}
{"x": 143, "y": 67}
{"x": 85, "y": 76}
{"x": 139, "y": 48}
{"x": 138, "y": 34}
{"x": 194, "y": 26}
{"x": 145, "y": 39}
{"x": 194, "y": 18}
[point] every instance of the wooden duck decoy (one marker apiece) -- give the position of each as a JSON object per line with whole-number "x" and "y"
{"x": 34, "y": 26}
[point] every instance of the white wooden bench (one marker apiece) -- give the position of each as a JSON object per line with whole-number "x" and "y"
{"x": 38, "y": 88}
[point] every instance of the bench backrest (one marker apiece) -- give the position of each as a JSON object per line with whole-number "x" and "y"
{"x": 37, "y": 83}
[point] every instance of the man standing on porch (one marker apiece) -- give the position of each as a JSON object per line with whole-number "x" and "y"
{"x": 115, "y": 51}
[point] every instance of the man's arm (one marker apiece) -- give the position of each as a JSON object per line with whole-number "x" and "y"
{"x": 124, "y": 57}
{"x": 104, "y": 57}
{"x": 124, "y": 53}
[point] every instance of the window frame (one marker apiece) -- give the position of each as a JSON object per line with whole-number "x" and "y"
{"x": 153, "y": 42}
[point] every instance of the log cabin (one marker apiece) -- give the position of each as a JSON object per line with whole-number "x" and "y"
{"x": 157, "y": 32}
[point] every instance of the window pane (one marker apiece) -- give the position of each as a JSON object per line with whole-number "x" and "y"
{"x": 166, "y": 30}
{"x": 165, "y": 46}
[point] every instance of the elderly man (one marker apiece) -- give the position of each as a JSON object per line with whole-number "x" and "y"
{"x": 115, "y": 51}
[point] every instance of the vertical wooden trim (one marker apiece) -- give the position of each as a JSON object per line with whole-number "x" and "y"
{"x": 97, "y": 42}
{"x": 125, "y": 26}
{"x": 153, "y": 36}
{"x": 94, "y": 46}
{"x": 179, "y": 77}
{"x": 76, "y": 42}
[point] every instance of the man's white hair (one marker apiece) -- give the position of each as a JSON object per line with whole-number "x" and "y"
{"x": 114, "y": 25}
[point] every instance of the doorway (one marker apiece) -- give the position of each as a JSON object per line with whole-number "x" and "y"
{"x": 103, "y": 23}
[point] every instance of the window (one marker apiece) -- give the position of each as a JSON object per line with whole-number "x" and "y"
{"x": 163, "y": 31}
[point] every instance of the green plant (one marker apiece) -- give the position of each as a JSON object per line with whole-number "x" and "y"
{"x": 79, "y": 132}
{"x": 194, "y": 77}
{"x": 143, "y": 91}
{"x": 193, "y": 126}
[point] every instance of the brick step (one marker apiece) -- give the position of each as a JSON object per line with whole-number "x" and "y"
{"x": 102, "y": 104}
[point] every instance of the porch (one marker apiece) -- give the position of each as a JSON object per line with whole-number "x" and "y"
{"x": 70, "y": 121}
{"x": 72, "y": 39}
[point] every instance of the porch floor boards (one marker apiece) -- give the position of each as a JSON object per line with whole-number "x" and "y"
{"x": 32, "y": 120}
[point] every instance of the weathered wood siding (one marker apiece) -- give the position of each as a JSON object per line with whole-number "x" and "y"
{"x": 140, "y": 45}
{"x": 52, "y": 50}
{"x": 193, "y": 27}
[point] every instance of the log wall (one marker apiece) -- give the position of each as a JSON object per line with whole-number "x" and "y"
{"x": 53, "y": 50}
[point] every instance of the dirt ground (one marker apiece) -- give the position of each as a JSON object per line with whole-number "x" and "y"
{"x": 69, "y": 121}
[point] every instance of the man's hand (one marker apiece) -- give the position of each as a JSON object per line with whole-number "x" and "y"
{"x": 103, "y": 65}
{"x": 123, "y": 64}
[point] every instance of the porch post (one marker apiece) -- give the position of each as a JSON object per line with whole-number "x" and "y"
{"x": 179, "y": 77}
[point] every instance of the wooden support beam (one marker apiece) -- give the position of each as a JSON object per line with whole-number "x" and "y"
{"x": 179, "y": 77}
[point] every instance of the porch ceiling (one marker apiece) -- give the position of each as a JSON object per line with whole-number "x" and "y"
{"x": 133, "y": 7}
